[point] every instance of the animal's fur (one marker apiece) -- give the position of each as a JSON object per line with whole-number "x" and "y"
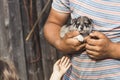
{"x": 82, "y": 24}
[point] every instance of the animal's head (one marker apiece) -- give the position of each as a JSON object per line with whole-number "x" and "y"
{"x": 83, "y": 24}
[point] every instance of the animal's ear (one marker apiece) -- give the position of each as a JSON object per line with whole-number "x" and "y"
{"x": 91, "y": 20}
{"x": 87, "y": 20}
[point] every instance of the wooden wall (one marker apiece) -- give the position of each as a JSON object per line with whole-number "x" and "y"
{"x": 34, "y": 58}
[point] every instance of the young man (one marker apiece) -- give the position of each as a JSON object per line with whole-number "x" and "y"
{"x": 100, "y": 60}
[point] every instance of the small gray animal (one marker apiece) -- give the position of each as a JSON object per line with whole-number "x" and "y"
{"x": 82, "y": 24}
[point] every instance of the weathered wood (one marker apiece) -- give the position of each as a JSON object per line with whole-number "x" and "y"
{"x": 49, "y": 55}
{"x": 3, "y": 32}
{"x": 16, "y": 38}
{"x": 32, "y": 46}
{"x": 33, "y": 59}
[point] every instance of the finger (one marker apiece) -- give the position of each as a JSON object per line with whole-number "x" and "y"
{"x": 57, "y": 62}
{"x": 71, "y": 34}
{"x": 89, "y": 40}
{"x": 85, "y": 38}
{"x": 68, "y": 66}
{"x": 93, "y": 53}
{"x": 77, "y": 48}
{"x": 97, "y": 34}
{"x": 92, "y": 41}
{"x": 94, "y": 57}
{"x": 65, "y": 61}
{"x": 91, "y": 56}
{"x": 92, "y": 47}
{"x": 62, "y": 59}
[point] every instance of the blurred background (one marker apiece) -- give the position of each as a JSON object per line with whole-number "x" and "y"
{"x": 22, "y": 40}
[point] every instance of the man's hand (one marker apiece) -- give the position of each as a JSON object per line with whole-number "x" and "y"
{"x": 69, "y": 44}
{"x": 98, "y": 46}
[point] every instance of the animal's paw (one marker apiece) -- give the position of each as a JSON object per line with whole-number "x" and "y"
{"x": 79, "y": 38}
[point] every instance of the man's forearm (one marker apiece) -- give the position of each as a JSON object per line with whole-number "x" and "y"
{"x": 51, "y": 33}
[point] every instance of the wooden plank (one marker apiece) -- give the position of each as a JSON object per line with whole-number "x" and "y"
{"x": 16, "y": 42}
{"x": 27, "y": 45}
{"x": 3, "y": 33}
{"x": 32, "y": 47}
{"x": 49, "y": 55}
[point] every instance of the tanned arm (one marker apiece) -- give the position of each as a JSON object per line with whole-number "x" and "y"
{"x": 53, "y": 25}
{"x": 52, "y": 33}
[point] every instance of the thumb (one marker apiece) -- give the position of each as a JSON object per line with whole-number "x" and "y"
{"x": 72, "y": 34}
{"x": 97, "y": 35}
{"x": 57, "y": 62}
